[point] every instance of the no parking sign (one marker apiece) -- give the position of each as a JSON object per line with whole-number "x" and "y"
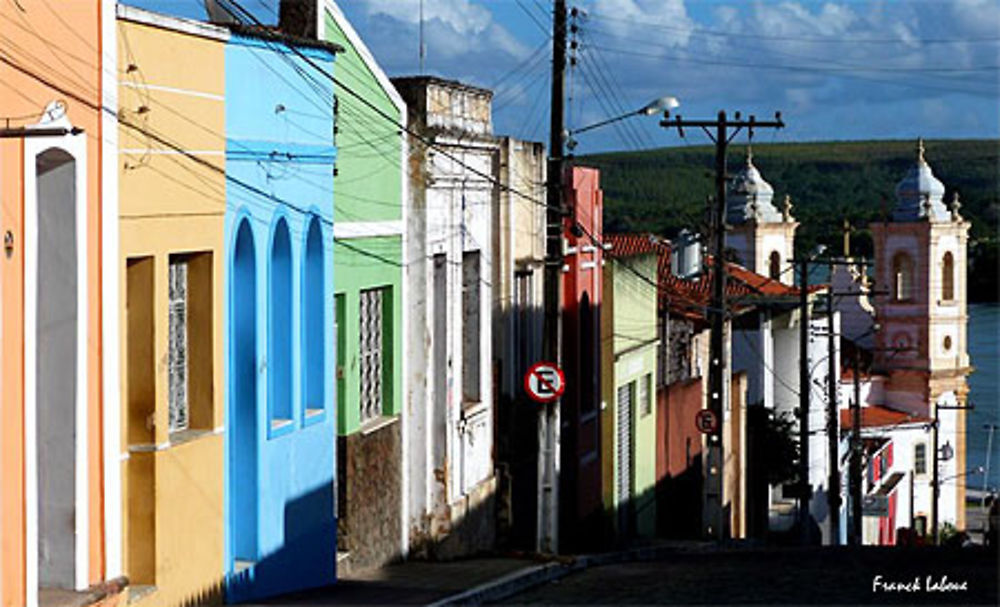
{"x": 544, "y": 382}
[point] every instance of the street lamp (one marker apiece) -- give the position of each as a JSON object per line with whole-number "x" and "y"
{"x": 653, "y": 107}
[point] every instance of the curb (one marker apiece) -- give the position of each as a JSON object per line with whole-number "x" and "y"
{"x": 505, "y": 586}
{"x": 519, "y": 581}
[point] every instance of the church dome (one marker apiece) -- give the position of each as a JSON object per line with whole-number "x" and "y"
{"x": 920, "y": 195}
{"x": 750, "y": 197}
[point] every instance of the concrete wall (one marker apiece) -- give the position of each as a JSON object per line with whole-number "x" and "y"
{"x": 450, "y": 449}
{"x": 679, "y": 457}
{"x": 369, "y": 467}
{"x": 518, "y": 277}
{"x": 280, "y": 185}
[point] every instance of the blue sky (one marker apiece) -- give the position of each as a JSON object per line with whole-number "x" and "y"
{"x": 847, "y": 69}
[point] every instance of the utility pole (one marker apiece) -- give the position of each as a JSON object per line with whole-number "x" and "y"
{"x": 548, "y": 478}
{"x": 833, "y": 425}
{"x": 989, "y": 448}
{"x": 935, "y": 474}
{"x": 713, "y": 522}
{"x": 805, "y": 487}
{"x": 854, "y": 537}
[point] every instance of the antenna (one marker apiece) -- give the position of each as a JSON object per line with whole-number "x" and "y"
{"x": 423, "y": 49}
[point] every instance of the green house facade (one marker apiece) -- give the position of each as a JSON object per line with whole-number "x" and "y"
{"x": 369, "y": 215}
{"x": 629, "y": 345}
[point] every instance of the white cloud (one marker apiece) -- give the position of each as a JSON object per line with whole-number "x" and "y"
{"x": 811, "y": 59}
{"x": 451, "y": 27}
{"x": 460, "y": 15}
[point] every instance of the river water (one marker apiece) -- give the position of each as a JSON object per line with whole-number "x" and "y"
{"x": 984, "y": 392}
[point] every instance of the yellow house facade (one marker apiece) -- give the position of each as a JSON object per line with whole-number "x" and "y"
{"x": 172, "y": 203}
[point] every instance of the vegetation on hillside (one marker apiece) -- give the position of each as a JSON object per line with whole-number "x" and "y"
{"x": 665, "y": 190}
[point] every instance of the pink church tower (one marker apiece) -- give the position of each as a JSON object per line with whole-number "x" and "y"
{"x": 921, "y": 259}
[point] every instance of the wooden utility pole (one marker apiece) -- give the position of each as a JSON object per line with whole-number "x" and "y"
{"x": 804, "y": 486}
{"x": 713, "y": 521}
{"x": 854, "y": 537}
{"x": 833, "y": 423}
{"x": 548, "y": 477}
{"x": 935, "y": 474}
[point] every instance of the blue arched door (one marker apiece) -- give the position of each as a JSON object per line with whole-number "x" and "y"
{"x": 243, "y": 453}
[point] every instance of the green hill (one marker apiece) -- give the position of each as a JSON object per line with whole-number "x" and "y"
{"x": 665, "y": 190}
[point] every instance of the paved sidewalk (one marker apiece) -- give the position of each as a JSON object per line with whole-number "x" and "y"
{"x": 410, "y": 583}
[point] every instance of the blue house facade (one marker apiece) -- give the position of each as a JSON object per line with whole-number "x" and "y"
{"x": 281, "y": 527}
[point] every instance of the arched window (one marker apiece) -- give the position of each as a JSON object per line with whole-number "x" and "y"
{"x": 902, "y": 277}
{"x": 774, "y": 265}
{"x": 279, "y": 360}
{"x": 948, "y": 277}
{"x": 313, "y": 330}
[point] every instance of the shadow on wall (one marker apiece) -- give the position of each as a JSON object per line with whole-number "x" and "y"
{"x": 307, "y": 559}
{"x": 373, "y": 587}
{"x": 463, "y": 529}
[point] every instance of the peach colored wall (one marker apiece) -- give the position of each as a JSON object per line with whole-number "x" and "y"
{"x": 59, "y": 43}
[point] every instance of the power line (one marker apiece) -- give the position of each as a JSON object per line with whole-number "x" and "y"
{"x": 816, "y": 39}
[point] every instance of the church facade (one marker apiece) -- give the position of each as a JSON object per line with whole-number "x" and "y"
{"x": 921, "y": 347}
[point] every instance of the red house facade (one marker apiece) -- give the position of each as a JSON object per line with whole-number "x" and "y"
{"x": 580, "y": 475}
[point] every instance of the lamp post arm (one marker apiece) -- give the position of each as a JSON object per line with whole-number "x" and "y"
{"x": 591, "y": 127}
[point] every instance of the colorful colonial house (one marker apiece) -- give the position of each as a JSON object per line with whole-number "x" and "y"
{"x": 280, "y": 523}
{"x": 369, "y": 219}
{"x": 172, "y": 184}
{"x": 451, "y": 483}
{"x": 583, "y": 431}
{"x": 628, "y": 374}
{"x": 58, "y": 409}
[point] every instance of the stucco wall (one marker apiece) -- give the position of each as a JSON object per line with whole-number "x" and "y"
{"x": 171, "y": 203}
{"x": 450, "y": 453}
{"x": 64, "y": 42}
{"x": 633, "y": 290}
{"x": 279, "y": 176}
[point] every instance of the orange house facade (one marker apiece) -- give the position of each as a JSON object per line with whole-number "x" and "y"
{"x": 59, "y": 508}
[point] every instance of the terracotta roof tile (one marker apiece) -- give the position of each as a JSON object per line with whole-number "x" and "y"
{"x": 877, "y": 416}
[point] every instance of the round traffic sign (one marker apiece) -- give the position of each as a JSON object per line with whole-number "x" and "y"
{"x": 544, "y": 382}
{"x": 706, "y": 421}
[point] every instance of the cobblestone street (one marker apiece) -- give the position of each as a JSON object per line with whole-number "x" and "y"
{"x": 793, "y": 576}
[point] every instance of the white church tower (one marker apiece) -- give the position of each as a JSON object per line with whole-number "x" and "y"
{"x": 762, "y": 236}
{"x": 921, "y": 259}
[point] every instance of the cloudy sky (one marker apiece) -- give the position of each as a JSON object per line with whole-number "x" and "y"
{"x": 848, "y": 69}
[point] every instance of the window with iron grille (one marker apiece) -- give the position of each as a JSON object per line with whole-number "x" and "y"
{"x": 177, "y": 344}
{"x": 370, "y": 353}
